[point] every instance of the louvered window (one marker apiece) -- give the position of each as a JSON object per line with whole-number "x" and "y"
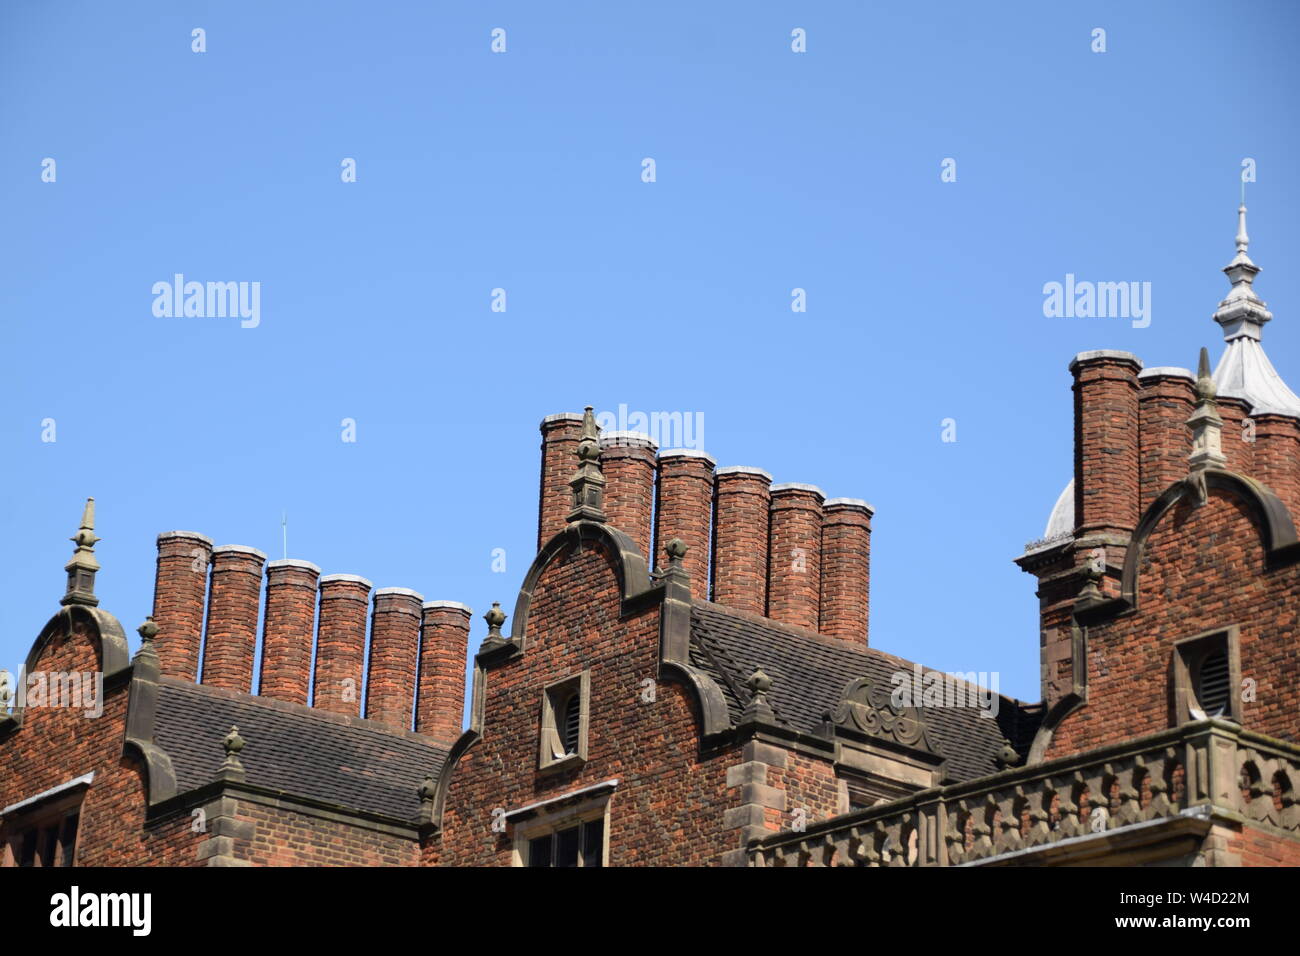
{"x": 1207, "y": 677}
{"x": 572, "y": 724}
{"x": 564, "y": 721}
{"x": 1213, "y": 684}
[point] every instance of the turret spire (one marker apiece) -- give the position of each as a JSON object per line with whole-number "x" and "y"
{"x": 1245, "y": 371}
{"x": 1242, "y": 313}
{"x": 81, "y": 569}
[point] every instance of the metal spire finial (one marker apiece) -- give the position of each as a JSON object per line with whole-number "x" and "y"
{"x": 81, "y": 569}
{"x": 1242, "y": 313}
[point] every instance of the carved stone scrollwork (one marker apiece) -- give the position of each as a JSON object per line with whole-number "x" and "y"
{"x": 866, "y": 706}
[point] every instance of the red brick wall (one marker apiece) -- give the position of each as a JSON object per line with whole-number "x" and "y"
{"x": 58, "y": 744}
{"x": 1202, "y": 568}
{"x": 669, "y": 806}
{"x": 284, "y": 837}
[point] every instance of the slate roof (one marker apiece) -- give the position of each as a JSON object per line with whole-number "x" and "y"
{"x": 349, "y": 762}
{"x": 809, "y": 674}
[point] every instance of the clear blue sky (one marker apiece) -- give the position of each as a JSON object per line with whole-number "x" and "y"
{"x": 522, "y": 170}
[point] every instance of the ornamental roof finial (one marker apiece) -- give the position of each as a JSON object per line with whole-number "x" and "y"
{"x": 1242, "y": 313}
{"x": 588, "y": 482}
{"x": 1207, "y": 428}
{"x": 81, "y": 569}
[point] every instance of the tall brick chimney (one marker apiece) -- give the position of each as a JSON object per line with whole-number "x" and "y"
{"x": 1165, "y": 399}
{"x": 560, "y": 435}
{"x": 846, "y": 568}
{"x": 794, "y": 555}
{"x": 444, "y": 642}
{"x": 232, "y": 617}
{"x": 394, "y": 657}
{"x": 1106, "y": 442}
{"x": 628, "y": 461}
{"x": 1277, "y": 456}
{"x": 740, "y": 537}
{"x": 341, "y": 643}
{"x": 288, "y": 629}
{"x": 179, "y": 596}
{"x": 684, "y": 509}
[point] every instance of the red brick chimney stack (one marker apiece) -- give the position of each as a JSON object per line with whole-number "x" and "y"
{"x": 341, "y": 643}
{"x": 1106, "y": 442}
{"x": 179, "y": 597}
{"x": 846, "y": 568}
{"x": 740, "y": 537}
{"x": 684, "y": 509}
{"x": 560, "y": 434}
{"x": 444, "y": 643}
{"x": 288, "y": 630}
{"x": 1277, "y": 456}
{"x": 628, "y": 461}
{"x": 1165, "y": 399}
{"x": 394, "y": 656}
{"x": 232, "y": 617}
{"x": 794, "y": 555}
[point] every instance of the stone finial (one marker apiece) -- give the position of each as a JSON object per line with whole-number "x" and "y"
{"x": 1207, "y": 429}
{"x": 758, "y": 709}
{"x": 231, "y": 767}
{"x": 588, "y": 482}
{"x": 495, "y": 617}
{"x": 81, "y": 569}
{"x": 676, "y": 549}
{"x": 147, "y": 656}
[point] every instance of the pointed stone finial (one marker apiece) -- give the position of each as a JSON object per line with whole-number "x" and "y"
{"x": 81, "y": 569}
{"x": 495, "y": 617}
{"x": 1242, "y": 313}
{"x": 231, "y": 767}
{"x": 588, "y": 482}
{"x": 758, "y": 709}
{"x": 1207, "y": 430}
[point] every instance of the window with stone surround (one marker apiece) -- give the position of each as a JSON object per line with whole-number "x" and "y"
{"x": 43, "y": 831}
{"x": 564, "y": 722}
{"x": 1207, "y": 676}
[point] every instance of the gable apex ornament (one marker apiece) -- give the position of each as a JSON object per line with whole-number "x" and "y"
{"x": 588, "y": 482}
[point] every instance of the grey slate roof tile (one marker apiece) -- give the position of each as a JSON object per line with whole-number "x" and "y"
{"x": 353, "y": 763}
{"x": 810, "y": 672}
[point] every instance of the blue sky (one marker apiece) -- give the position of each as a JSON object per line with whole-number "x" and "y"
{"x": 522, "y": 171}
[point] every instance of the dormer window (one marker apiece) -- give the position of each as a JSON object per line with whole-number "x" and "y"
{"x": 564, "y": 722}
